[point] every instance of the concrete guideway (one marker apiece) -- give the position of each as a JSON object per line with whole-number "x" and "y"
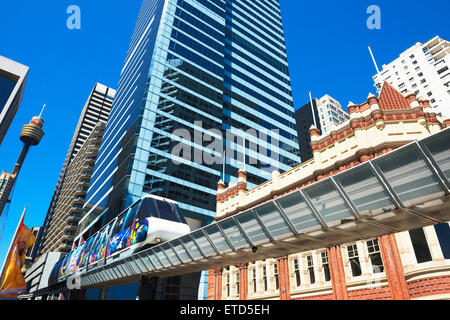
{"x": 405, "y": 189}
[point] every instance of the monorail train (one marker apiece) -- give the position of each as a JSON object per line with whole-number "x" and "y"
{"x": 148, "y": 222}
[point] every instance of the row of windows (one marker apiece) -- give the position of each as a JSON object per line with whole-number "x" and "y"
{"x": 199, "y": 15}
{"x": 234, "y": 39}
{"x": 228, "y": 120}
{"x": 182, "y": 113}
{"x": 216, "y": 9}
{"x": 256, "y": 95}
{"x": 200, "y": 25}
{"x": 190, "y": 55}
{"x": 279, "y": 53}
{"x": 195, "y": 72}
{"x": 230, "y": 54}
{"x": 262, "y": 16}
{"x": 198, "y": 103}
{"x": 257, "y": 83}
{"x": 233, "y": 17}
{"x": 311, "y": 269}
{"x": 252, "y": 105}
{"x": 197, "y": 47}
{"x": 191, "y": 84}
{"x": 217, "y": 45}
{"x": 374, "y": 256}
{"x": 257, "y": 21}
{"x": 269, "y": 9}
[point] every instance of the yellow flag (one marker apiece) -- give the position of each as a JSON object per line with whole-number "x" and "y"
{"x": 12, "y": 281}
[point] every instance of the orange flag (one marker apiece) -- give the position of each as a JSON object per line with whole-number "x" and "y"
{"x": 12, "y": 282}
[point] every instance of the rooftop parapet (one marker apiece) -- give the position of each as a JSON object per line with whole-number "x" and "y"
{"x": 376, "y": 127}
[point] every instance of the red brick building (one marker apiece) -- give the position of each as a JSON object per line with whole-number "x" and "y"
{"x": 405, "y": 265}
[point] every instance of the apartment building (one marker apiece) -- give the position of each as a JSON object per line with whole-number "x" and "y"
{"x": 423, "y": 69}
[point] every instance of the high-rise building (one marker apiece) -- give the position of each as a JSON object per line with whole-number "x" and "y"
{"x": 6, "y": 183}
{"x": 62, "y": 227}
{"x": 305, "y": 119}
{"x": 424, "y": 70}
{"x": 328, "y": 114}
{"x": 96, "y": 109}
{"x": 331, "y": 113}
{"x": 13, "y": 77}
{"x": 221, "y": 63}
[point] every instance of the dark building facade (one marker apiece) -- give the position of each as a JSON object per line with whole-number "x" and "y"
{"x": 304, "y": 120}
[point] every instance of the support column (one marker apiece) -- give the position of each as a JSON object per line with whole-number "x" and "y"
{"x": 393, "y": 268}
{"x": 284, "y": 279}
{"x": 147, "y": 288}
{"x": 82, "y": 294}
{"x": 218, "y": 284}
{"x": 337, "y": 273}
{"x": 243, "y": 281}
{"x": 211, "y": 285}
{"x": 103, "y": 293}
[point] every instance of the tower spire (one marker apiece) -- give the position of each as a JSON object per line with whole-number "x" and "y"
{"x": 42, "y": 111}
{"x": 31, "y": 135}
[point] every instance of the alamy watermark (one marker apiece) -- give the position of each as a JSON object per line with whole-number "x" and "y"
{"x": 374, "y": 20}
{"x": 74, "y": 282}
{"x": 206, "y": 147}
{"x": 375, "y": 282}
{"x": 73, "y": 21}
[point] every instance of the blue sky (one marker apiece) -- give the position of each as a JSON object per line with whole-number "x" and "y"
{"x": 327, "y": 51}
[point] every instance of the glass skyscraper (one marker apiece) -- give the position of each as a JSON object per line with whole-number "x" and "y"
{"x": 195, "y": 65}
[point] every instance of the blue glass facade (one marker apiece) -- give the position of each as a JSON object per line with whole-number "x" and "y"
{"x": 223, "y": 63}
{"x": 257, "y": 88}
{"x": 220, "y": 62}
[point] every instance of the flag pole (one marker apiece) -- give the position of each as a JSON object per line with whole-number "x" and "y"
{"x": 373, "y": 58}
{"x": 12, "y": 242}
{"x": 313, "y": 109}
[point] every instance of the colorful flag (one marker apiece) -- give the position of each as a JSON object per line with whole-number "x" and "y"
{"x": 12, "y": 282}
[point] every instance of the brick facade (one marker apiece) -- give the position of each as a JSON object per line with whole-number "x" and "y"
{"x": 376, "y": 127}
{"x": 398, "y": 287}
{"x": 383, "y": 293}
{"x": 429, "y": 287}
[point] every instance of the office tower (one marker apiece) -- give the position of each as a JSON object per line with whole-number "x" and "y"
{"x": 331, "y": 113}
{"x": 424, "y": 70}
{"x": 13, "y": 77}
{"x": 305, "y": 119}
{"x": 328, "y": 113}
{"x": 62, "y": 228}
{"x": 223, "y": 63}
{"x": 96, "y": 109}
